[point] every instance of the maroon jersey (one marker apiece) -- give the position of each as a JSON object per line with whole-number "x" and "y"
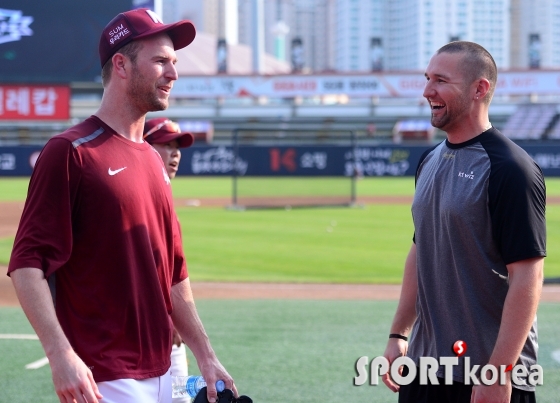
{"x": 99, "y": 221}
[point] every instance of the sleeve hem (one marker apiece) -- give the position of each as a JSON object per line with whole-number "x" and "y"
{"x": 522, "y": 257}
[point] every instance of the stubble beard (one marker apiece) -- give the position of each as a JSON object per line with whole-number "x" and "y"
{"x": 443, "y": 122}
{"x": 452, "y": 116}
{"x": 438, "y": 122}
{"x": 143, "y": 94}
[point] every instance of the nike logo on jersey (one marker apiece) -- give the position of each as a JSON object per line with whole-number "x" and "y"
{"x": 116, "y": 171}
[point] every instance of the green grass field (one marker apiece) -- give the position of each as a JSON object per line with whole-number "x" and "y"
{"x": 278, "y": 351}
{"x": 345, "y": 245}
{"x": 286, "y": 350}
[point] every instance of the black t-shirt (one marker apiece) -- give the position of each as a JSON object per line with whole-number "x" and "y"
{"x": 478, "y": 206}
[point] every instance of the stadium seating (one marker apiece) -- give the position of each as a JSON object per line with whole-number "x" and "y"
{"x": 554, "y": 133}
{"x": 531, "y": 122}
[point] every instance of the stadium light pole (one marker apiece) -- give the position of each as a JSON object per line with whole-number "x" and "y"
{"x": 158, "y": 7}
{"x": 258, "y": 36}
{"x": 234, "y": 168}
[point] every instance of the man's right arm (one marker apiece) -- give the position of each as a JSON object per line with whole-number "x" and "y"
{"x": 187, "y": 322}
{"x": 71, "y": 377}
{"x": 404, "y": 317}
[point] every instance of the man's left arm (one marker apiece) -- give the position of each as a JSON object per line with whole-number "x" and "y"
{"x": 520, "y": 308}
{"x": 188, "y": 324}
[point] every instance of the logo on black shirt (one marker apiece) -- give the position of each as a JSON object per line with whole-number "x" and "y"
{"x": 466, "y": 176}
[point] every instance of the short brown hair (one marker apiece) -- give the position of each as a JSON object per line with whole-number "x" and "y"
{"x": 129, "y": 50}
{"x": 478, "y": 62}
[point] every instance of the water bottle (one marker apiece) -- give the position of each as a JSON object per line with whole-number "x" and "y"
{"x": 191, "y": 385}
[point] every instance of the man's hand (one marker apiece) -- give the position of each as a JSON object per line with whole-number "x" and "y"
{"x": 395, "y": 348}
{"x": 186, "y": 320}
{"x": 213, "y": 371}
{"x": 73, "y": 381}
{"x": 525, "y": 284}
{"x": 491, "y": 394}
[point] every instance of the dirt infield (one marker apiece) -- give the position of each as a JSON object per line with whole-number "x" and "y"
{"x": 10, "y": 213}
{"x": 208, "y": 290}
{"x": 225, "y": 202}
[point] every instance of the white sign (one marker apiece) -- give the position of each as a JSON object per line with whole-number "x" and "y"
{"x": 409, "y": 85}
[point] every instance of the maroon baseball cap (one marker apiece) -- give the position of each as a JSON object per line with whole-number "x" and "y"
{"x": 163, "y": 130}
{"x": 137, "y": 24}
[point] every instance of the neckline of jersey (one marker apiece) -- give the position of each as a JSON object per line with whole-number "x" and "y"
{"x": 474, "y": 140}
{"x": 143, "y": 146}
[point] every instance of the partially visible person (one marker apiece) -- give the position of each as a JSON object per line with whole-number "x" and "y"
{"x": 166, "y": 138}
{"x": 474, "y": 271}
{"x": 98, "y": 263}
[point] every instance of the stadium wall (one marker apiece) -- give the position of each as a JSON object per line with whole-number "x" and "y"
{"x": 382, "y": 160}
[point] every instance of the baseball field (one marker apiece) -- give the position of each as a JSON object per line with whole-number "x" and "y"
{"x": 291, "y": 298}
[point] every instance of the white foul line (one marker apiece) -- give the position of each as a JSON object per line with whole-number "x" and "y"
{"x": 556, "y": 355}
{"x": 32, "y": 365}
{"x": 37, "y": 364}
{"x": 19, "y": 336}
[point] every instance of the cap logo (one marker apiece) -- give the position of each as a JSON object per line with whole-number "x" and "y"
{"x": 118, "y": 33}
{"x": 155, "y": 18}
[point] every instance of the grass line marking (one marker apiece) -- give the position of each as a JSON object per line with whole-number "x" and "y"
{"x": 19, "y": 336}
{"x": 556, "y": 355}
{"x": 37, "y": 364}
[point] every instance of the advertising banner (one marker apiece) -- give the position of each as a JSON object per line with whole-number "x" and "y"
{"x": 392, "y": 160}
{"x": 279, "y": 86}
{"x": 18, "y": 161}
{"x": 367, "y": 161}
{"x": 406, "y": 85}
{"x": 25, "y": 102}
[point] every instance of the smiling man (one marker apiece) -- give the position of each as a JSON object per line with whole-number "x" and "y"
{"x": 474, "y": 271}
{"x": 98, "y": 263}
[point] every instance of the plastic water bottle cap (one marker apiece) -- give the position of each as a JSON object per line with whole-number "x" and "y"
{"x": 220, "y": 385}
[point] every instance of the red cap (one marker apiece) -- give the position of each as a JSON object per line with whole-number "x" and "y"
{"x": 137, "y": 24}
{"x": 163, "y": 130}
